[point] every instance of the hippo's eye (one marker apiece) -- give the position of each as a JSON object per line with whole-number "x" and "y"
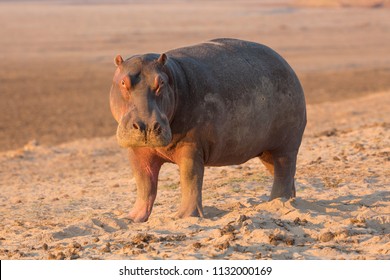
{"x": 123, "y": 83}
{"x": 158, "y": 84}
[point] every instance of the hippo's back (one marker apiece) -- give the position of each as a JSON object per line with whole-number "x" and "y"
{"x": 227, "y": 63}
{"x": 238, "y": 88}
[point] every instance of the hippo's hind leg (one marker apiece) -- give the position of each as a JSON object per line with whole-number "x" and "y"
{"x": 282, "y": 165}
{"x": 191, "y": 168}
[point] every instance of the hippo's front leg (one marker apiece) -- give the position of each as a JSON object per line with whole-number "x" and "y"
{"x": 191, "y": 167}
{"x": 145, "y": 168}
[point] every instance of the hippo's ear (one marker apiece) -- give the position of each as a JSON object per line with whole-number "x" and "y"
{"x": 162, "y": 59}
{"x": 118, "y": 60}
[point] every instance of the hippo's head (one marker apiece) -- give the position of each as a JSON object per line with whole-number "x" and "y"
{"x": 142, "y": 101}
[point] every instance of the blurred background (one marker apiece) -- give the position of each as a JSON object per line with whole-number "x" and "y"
{"x": 56, "y": 57}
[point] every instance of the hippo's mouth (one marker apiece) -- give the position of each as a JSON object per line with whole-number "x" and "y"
{"x": 148, "y": 138}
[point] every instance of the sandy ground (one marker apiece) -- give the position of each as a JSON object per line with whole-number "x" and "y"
{"x": 66, "y": 187}
{"x": 69, "y": 201}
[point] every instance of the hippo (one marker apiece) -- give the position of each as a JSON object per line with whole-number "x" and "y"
{"x": 221, "y": 102}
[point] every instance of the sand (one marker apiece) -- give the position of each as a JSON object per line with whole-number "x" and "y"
{"x": 66, "y": 186}
{"x": 70, "y": 201}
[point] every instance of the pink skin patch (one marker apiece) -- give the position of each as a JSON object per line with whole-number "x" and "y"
{"x": 146, "y": 168}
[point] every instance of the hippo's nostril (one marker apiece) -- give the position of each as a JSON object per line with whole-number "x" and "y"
{"x": 139, "y": 126}
{"x": 157, "y": 128}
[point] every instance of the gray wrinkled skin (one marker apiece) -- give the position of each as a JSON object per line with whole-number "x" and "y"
{"x": 218, "y": 103}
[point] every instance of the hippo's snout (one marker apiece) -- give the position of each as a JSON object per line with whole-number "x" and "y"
{"x": 142, "y": 128}
{"x": 137, "y": 133}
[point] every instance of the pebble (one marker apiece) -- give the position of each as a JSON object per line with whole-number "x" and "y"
{"x": 197, "y": 245}
{"x": 51, "y": 256}
{"x": 106, "y": 249}
{"x": 60, "y": 256}
{"x": 74, "y": 256}
{"x": 76, "y": 245}
{"x": 242, "y": 218}
{"x": 290, "y": 241}
{"x": 327, "y": 236}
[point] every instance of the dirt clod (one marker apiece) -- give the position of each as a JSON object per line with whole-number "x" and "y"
{"x": 197, "y": 245}
{"x": 60, "y": 256}
{"x": 76, "y": 245}
{"x": 327, "y": 236}
{"x": 290, "y": 241}
{"x": 300, "y": 222}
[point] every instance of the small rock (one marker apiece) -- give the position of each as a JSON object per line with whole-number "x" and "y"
{"x": 273, "y": 239}
{"x": 290, "y": 241}
{"x": 106, "y": 250}
{"x": 51, "y": 257}
{"x": 227, "y": 229}
{"x": 74, "y": 256}
{"x": 358, "y": 220}
{"x": 168, "y": 238}
{"x": 327, "y": 236}
{"x": 242, "y": 218}
{"x": 45, "y": 247}
{"x": 76, "y": 245}
{"x": 60, "y": 256}
{"x": 300, "y": 222}
{"x": 240, "y": 248}
{"x": 223, "y": 246}
{"x": 115, "y": 186}
{"x": 279, "y": 222}
{"x": 143, "y": 237}
{"x": 197, "y": 245}
{"x": 274, "y": 242}
{"x": 96, "y": 239}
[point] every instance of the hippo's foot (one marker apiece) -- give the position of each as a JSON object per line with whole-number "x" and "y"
{"x": 284, "y": 172}
{"x": 190, "y": 211}
{"x": 287, "y": 193}
{"x": 140, "y": 212}
{"x": 284, "y": 195}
